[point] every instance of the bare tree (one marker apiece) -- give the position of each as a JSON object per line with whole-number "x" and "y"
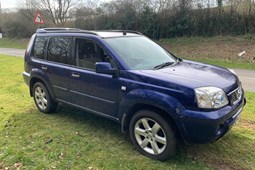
{"x": 56, "y": 10}
{"x": 163, "y": 5}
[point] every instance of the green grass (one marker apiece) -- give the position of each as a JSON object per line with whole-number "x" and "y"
{"x": 226, "y": 63}
{"x": 72, "y": 139}
{"x": 13, "y": 43}
{"x": 219, "y": 50}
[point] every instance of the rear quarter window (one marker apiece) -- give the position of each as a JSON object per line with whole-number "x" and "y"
{"x": 39, "y": 47}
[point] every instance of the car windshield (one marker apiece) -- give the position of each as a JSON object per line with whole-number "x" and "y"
{"x": 140, "y": 53}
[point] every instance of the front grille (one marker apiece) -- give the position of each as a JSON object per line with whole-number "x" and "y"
{"x": 236, "y": 95}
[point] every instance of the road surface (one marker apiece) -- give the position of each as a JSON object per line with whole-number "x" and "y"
{"x": 247, "y": 77}
{"x": 12, "y": 51}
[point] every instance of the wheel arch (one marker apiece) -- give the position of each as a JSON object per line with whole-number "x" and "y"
{"x": 36, "y": 79}
{"x": 166, "y": 105}
{"x": 141, "y": 106}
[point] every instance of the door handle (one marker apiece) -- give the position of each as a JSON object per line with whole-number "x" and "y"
{"x": 75, "y": 75}
{"x": 44, "y": 68}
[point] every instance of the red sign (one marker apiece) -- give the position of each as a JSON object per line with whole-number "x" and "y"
{"x": 38, "y": 19}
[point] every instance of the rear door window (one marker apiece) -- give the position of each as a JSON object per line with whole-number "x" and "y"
{"x": 58, "y": 49}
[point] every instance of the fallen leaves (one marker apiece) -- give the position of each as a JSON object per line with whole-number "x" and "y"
{"x": 61, "y": 156}
{"x": 17, "y": 165}
{"x": 48, "y": 141}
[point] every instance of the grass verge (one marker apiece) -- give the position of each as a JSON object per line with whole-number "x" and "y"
{"x": 226, "y": 63}
{"x": 72, "y": 139}
{"x": 220, "y": 50}
{"x": 13, "y": 43}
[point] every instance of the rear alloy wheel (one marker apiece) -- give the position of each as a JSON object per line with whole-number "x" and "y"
{"x": 152, "y": 135}
{"x": 42, "y": 98}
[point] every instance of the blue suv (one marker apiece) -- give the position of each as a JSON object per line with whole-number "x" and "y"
{"x": 124, "y": 76}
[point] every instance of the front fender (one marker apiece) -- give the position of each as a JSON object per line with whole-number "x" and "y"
{"x": 149, "y": 97}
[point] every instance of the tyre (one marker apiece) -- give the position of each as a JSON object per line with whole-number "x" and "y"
{"x": 152, "y": 135}
{"x": 42, "y": 98}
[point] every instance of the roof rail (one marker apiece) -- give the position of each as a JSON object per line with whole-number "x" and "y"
{"x": 132, "y": 31}
{"x": 55, "y": 29}
{"x": 77, "y": 30}
{"x": 63, "y": 30}
{"x": 123, "y": 31}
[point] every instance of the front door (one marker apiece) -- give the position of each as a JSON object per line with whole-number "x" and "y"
{"x": 92, "y": 91}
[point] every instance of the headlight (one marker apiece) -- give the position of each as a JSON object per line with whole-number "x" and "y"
{"x": 210, "y": 97}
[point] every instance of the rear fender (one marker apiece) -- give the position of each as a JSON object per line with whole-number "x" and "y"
{"x": 38, "y": 75}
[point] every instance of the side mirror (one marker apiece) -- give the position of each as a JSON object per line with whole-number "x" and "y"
{"x": 104, "y": 68}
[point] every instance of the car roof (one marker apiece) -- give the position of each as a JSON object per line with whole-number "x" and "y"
{"x": 100, "y": 33}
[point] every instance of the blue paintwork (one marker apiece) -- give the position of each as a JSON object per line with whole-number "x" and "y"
{"x": 105, "y": 68}
{"x": 170, "y": 89}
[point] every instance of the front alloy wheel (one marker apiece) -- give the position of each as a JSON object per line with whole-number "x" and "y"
{"x": 152, "y": 135}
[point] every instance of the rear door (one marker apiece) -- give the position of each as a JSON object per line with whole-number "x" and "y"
{"x": 92, "y": 91}
{"x": 57, "y": 66}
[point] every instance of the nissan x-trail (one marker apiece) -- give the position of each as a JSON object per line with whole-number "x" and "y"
{"x": 126, "y": 77}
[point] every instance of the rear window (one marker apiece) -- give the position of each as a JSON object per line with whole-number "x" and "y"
{"x": 39, "y": 47}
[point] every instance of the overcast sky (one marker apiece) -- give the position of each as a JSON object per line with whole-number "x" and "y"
{"x": 10, "y": 3}
{"x": 19, "y": 3}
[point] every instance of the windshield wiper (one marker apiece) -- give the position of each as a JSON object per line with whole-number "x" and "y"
{"x": 163, "y": 65}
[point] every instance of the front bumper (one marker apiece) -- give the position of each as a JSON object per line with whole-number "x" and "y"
{"x": 199, "y": 127}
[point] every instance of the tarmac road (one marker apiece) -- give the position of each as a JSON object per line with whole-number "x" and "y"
{"x": 12, "y": 51}
{"x": 247, "y": 77}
